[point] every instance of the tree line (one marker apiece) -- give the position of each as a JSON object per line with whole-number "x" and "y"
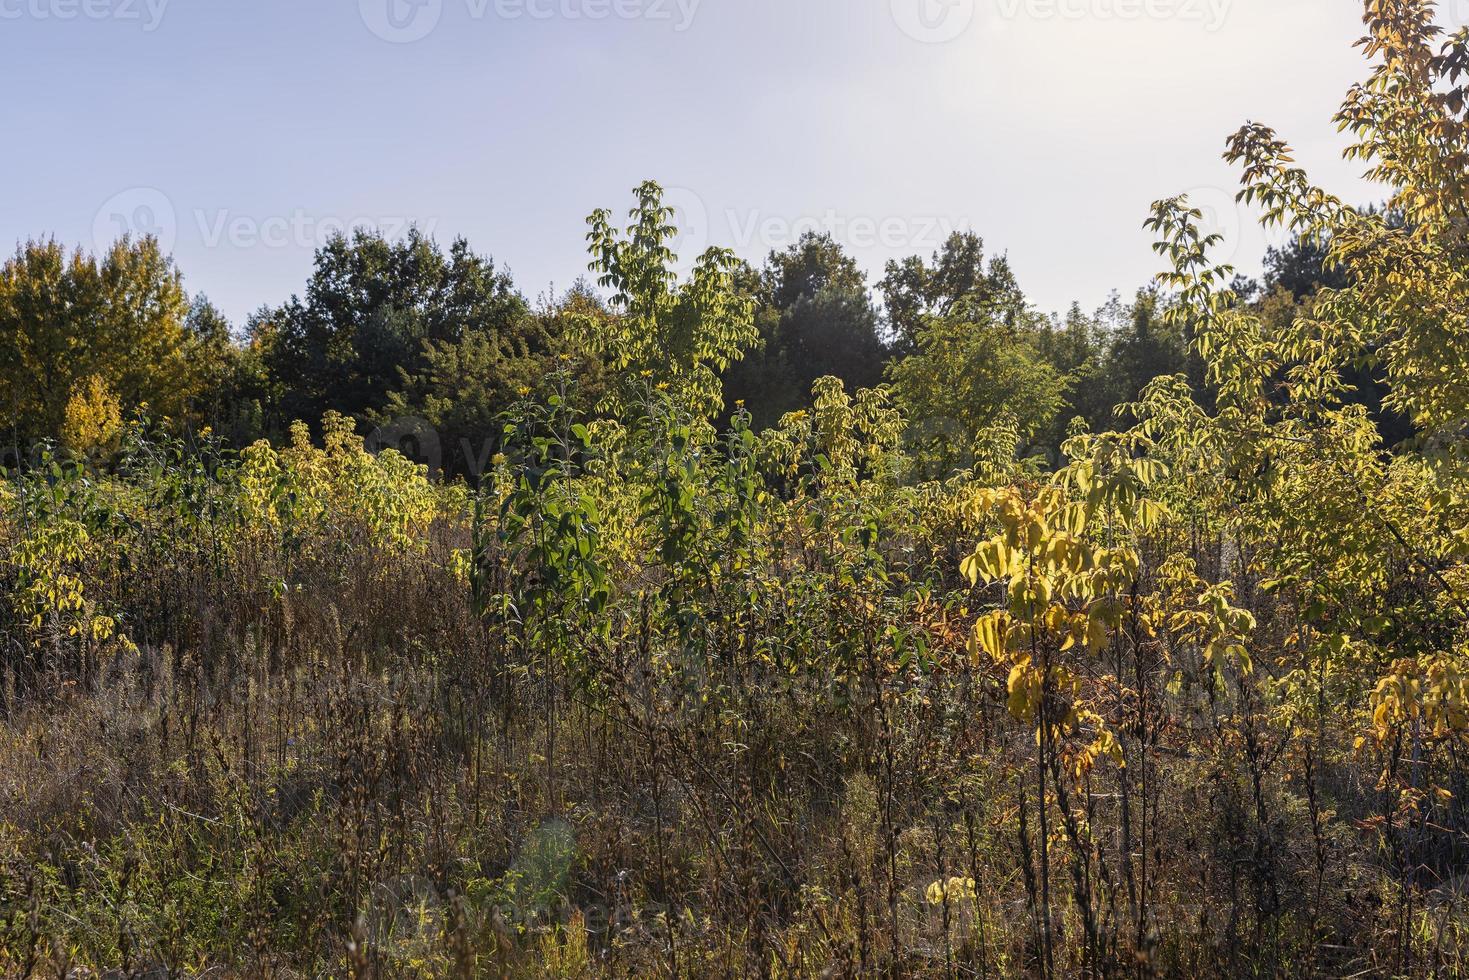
{"x": 386, "y": 330}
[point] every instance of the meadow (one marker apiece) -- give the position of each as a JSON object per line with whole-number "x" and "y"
{"x": 664, "y": 689}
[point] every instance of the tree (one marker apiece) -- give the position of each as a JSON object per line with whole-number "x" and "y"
{"x": 680, "y": 336}
{"x": 231, "y": 378}
{"x": 967, "y": 376}
{"x": 814, "y": 264}
{"x": 374, "y": 312}
{"x": 815, "y": 319}
{"x": 955, "y": 279}
{"x": 1304, "y": 264}
{"x": 1299, "y": 267}
{"x": 1075, "y": 347}
{"x": 1401, "y": 314}
{"x": 1142, "y": 345}
{"x": 465, "y": 385}
{"x": 92, "y": 423}
{"x": 76, "y": 327}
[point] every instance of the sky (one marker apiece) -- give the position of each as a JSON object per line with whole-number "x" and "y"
{"x": 244, "y": 132}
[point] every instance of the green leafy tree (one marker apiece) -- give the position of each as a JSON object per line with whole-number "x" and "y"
{"x": 816, "y": 319}
{"x": 66, "y": 320}
{"x": 1076, "y": 346}
{"x": 232, "y": 386}
{"x": 677, "y": 335}
{"x": 465, "y": 385}
{"x": 956, "y": 279}
{"x": 1304, "y": 264}
{"x": 1299, "y": 267}
{"x": 1142, "y": 345}
{"x": 374, "y": 312}
{"x": 968, "y": 376}
{"x": 1403, "y": 308}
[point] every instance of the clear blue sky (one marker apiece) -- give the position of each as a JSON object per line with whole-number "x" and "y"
{"x": 246, "y": 129}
